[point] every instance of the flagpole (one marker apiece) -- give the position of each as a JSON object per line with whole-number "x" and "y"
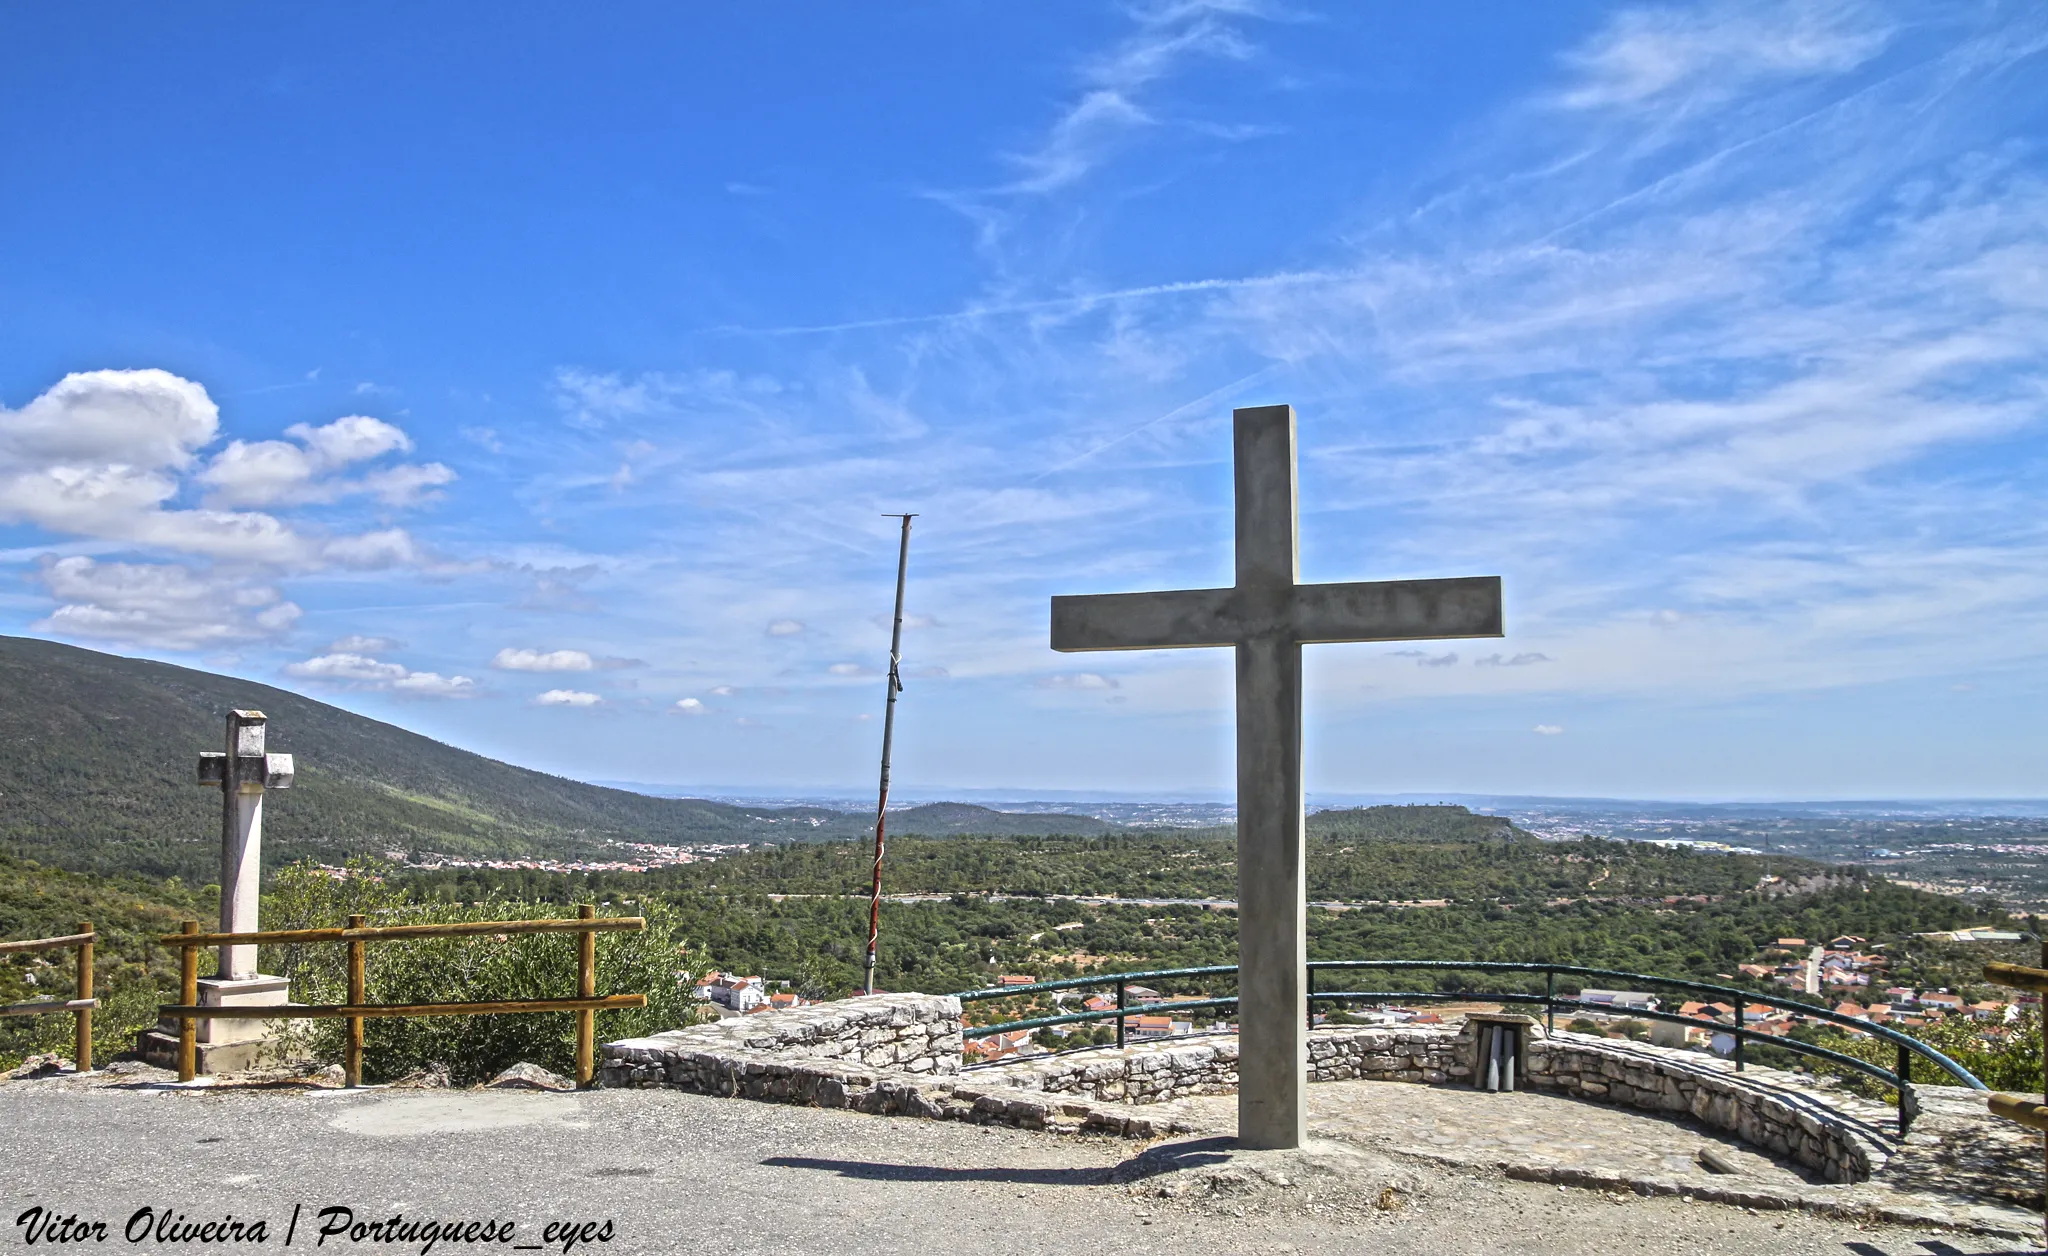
{"x": 894, "y": 686}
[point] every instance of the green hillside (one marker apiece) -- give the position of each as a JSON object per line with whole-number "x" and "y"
{"x": 1180, "y": 865}
{"x": 97, "y": 757}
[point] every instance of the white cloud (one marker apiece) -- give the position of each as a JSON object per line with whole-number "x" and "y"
{"x": 101, "y": 454}
{"x": 690, "y": 706}
{"x": 360, "y": 671}
{"x": 375, "y": 551}
{"x": 159, "y": 604}
{"x": 145, "y": 420}
{"x": 784, "y": 627}
{"x": 511, "y": 659}
{"x": 354, "y": 438}
{"x": 569, "y": 697}
{"x": 852, "y": 669}
{"x": 408, "y": 484}
{"x": 1548, "y": 730}
{"x": 1079, "y": 680}
{"x": 275, "y": 472}
{"x": 723, "y": 691}
{"x": 355, "y": 643}
{"x": 595, "y": 401}
{"x": 1717, "y": 50}
{"x": 1525, "y": 659}
{"x": 346, "y": 666}
{"x": 1108, "y": 108}
{"x": 95, "y": 456}
{"x": 435, "y": 685}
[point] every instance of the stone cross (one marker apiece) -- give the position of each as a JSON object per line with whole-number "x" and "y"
{"x": 1267, "y": 616}
{"x": 243, "y": 772}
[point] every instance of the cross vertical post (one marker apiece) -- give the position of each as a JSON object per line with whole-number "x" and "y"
{"x": 1266, "y": 617}
{"x": 1272, "y": 905}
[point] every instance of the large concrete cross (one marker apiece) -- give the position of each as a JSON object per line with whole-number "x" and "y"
{"x": 242, "y": 772}
{"x": 1268, "y": 615}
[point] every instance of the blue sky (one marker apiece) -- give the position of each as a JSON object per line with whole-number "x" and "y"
{"x": 537, "y": 377}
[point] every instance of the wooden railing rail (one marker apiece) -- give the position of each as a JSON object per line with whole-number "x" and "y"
{"x": 81, "y": 1004}
{"x": 357, "y": 935}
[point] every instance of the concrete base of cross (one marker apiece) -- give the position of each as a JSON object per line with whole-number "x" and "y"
{"x": 209, "y": 1059}
{"x": 258, "y": 991}
{"x": 224, "y": 1045}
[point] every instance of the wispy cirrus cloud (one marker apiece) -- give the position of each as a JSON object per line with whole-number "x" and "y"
{"x": 1681, "y": 305}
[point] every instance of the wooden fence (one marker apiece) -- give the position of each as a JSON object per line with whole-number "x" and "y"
{"x": 586, "y": 1003}
{"x": 80, "y": 1004}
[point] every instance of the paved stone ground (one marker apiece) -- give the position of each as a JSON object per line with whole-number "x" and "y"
{"x": 1551, "y": 1138}
{"x": 1470, "y": 1127}
{"x": 679, "y": 1172}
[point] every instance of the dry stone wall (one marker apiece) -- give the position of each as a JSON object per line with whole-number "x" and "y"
{"x": 1836, "y": 1134}
{"x": 1843, "y": 1138}
{"x": 890, "y": 1055}
{"x": 908, "y": 1033}
{"x": 899, "y": 1054}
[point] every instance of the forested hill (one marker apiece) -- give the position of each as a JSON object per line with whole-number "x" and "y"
{"x": 97, "y": 757}
{"x": 1414, "y": 824}
{"x": 1179, "y": 865}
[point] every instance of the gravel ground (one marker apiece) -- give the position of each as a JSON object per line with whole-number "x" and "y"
{"x": 676, "y": 1172}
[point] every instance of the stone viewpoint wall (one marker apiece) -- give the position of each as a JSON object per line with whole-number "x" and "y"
{"x": 1838, "y": 1136}
{"x": 887, "y": 1054}
{"x": 899, "y": 1054}
{"x": 906, "y": 1033}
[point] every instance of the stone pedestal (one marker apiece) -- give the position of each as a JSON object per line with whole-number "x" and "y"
{"x": 257, "y": 991}
{"x": 224, "y": 1045}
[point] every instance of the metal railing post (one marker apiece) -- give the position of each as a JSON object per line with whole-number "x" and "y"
{"x": 1550, "y": 1002}
{"x": 358, "y": 994}
{"x": 1909, "y": 1103}
{"x": 188, "y": 990}
{"x": 1119, "y": 1015}
{"x": 586, "y": 988}
{"x": 1740, "y": 1038}
{"x": 1310, "y": 1002}
{"x": 82, "y": 1045}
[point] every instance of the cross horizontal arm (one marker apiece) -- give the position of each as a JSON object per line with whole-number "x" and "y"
{"x": 1144, "y": 621}
{"x": 1397, "y": 610}
{"x": 1376, "y": 610}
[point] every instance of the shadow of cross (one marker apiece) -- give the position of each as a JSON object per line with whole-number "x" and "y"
{"x": 1267, "y": 616}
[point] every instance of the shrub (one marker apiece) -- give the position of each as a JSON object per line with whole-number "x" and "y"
{"x": 2010, "y": 1063}
{"x": 657, "y": 962}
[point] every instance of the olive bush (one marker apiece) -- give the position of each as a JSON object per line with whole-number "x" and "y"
{"x": 657, "y": 962}
{"x": 2008, "y": 1061}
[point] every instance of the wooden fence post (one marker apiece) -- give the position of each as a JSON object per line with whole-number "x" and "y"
{"x": 188, "y": 994}
{"x": 586, "y": 987}
{"x": 352, "y": 1058}
{"x": 82, "y": 1048}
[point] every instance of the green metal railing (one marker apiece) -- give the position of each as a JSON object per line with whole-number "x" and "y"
{"x": 1900, "y": 1079}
